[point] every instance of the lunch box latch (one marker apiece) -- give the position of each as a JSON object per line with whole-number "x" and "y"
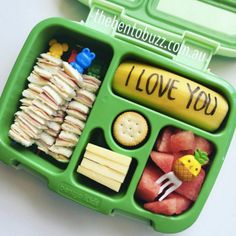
{"x": 196, "y": 51}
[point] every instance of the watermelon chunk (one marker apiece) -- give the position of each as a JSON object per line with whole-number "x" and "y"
{"x": 192, "y": 188}
{"x": 204, "y": 145}
{"x": 174, "y": 204}
{"x": 163, "y": 160}
{"x": 147, "y": 189}
{"x": 182, "y": 142}
{"x": 163, "y": 142}
{"x": 182, "y": 153}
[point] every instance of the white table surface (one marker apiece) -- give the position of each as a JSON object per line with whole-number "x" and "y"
{"x": 28, "y": 207}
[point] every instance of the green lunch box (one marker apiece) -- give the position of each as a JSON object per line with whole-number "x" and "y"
{"x": 184, "y": 45}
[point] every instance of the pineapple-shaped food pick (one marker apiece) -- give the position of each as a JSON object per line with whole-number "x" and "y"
{"x": 188, "y": 167}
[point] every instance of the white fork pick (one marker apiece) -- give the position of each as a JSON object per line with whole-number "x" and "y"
{"x": 171, "y": 180}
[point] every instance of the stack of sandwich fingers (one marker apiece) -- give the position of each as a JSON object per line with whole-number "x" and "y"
{"x": 74, "y": 122}
{"x": 55, "y": 90}
{"x": 31, "y": 120}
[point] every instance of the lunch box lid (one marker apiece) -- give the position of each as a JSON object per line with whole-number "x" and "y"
{"x": 188, "y": 31}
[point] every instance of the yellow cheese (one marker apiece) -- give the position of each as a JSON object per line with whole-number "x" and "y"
{"x": 171, "y": 94}
{"x": 103, "y": 161}
{"x": 103, "y": 170}
{"x": 108, "y": 154}
{"x": 110, "y": 183}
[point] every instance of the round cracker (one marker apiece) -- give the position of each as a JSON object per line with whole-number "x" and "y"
{"x": 130, "y": 129}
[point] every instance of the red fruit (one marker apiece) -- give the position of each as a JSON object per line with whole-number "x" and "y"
{"x": 182, "y": 142}
{"x": 147, "y": 189}
{"x": 182, "y": 153}
{"x": 173, "y": 204}
{"x": 163, "y": 142}
{"x": 203, "y": 145}
{"x": 163, "y": 160}
{"x": 192, "y": 188}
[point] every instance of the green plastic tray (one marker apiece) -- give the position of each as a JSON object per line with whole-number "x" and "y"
{"x": 64, "y": 179}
